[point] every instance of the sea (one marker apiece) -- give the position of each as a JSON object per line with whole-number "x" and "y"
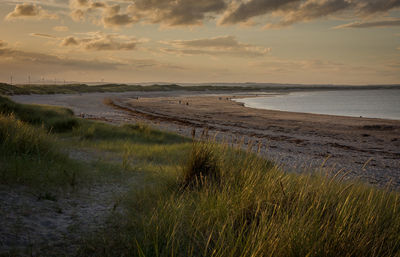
{"x": 377, "y": 103}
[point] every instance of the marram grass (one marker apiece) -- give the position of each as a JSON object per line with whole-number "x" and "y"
{"x": 251, "y": 208}
{"x": 202, "y": 199}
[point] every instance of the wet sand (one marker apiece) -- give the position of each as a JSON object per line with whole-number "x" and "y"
{"x": 367, "y": 149}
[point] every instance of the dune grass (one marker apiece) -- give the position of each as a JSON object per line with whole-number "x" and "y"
{"x": 238, "y": 204}
{"x": 200, "y": 198}
{"x": 29, "y": 156}
{"x": 52, "y": 118}
{"x": 35, "y": 142}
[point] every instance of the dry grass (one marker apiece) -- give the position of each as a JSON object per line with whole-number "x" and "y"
{"x": 254, "y": 210}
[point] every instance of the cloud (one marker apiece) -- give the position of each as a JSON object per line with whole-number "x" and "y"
{"x": 78, "y": 15}
{"x": 370, "y": 24}
{"x": 98, "y": 5}
{"x": 61, "y": 28}
{"x": 311, "y": 10}
{"x": 244, "y": 11}
{"x": 113, "y": 18}
{"x": 28, "y": 10}
{"x": 70, "y": 41}
{"x": 43, "y": 35}
{"x": 164, "y": 12}
{"x": 283, "y": 13}
{"x": 10, "y": 55}
{"x": 101, "y": 42}
{"x": 19, "y": 63}
{"x": 79, "y": 3}
{"x": 3, "y": 43}
{"x": 293, "y": 11}
{"x": 375, "y": 6}
{"x": 177, "y": 12}
{"x": 226, "y": 45}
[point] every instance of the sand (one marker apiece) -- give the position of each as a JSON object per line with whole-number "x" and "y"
{"x": 367, "y": 149}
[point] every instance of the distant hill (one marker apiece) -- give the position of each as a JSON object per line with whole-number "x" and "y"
{"x": 7, "y": 89}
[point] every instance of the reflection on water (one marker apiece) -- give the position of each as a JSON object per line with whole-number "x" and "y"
{"x": 384, "y": 103}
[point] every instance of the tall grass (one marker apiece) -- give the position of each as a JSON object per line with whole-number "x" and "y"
{"x": 255, "y": 209}
{"x": 52, "y": 118}
{"x": 17, "y": 137}
{"x": 29, "y": 156}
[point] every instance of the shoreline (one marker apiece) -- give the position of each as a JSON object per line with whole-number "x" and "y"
{"x": 367, "y": 148}
{"x": 355, "y": 111}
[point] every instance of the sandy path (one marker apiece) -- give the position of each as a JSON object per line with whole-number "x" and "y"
{"x": 368, "y": 148}
{"x": 55, "y": 223}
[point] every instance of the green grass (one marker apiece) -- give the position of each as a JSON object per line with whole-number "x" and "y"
{"x": 251, "y": 209}
{"x": 198, "y": 198}
{"x": 29, "y": 156}
{"x": 52, "y": 118}
{"x": 35, "y": 141}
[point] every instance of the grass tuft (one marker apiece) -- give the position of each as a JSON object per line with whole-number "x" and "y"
{"x": 202, "y": 165}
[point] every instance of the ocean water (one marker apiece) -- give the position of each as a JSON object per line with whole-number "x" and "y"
{"x": 382, "y": 103}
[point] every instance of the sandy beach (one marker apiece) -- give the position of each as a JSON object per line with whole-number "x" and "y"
{"x": 364, "y": 148}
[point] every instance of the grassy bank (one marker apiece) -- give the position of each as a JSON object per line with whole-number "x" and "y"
{"x": 35, "y": 142}
{"x": 29, "y": 153}
{"x": 196, "y": 198}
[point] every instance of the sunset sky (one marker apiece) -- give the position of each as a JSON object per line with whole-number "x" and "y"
{"x": 133, "y": 41}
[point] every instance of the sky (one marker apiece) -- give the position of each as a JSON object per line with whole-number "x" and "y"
{"x": 193, "y": 41}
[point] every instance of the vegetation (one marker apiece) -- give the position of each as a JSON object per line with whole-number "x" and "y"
{"x": 7, "y": 89}
{"x": 28, "y": 156}
{"x": 197, "y": 198}
{"x": 52, "y": 118}
{"x": 252, "y": 209}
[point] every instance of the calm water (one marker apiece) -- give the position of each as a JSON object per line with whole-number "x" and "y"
{"x": 384, "y": 103}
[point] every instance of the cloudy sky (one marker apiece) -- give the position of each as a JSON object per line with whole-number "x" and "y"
{"x": 131, "y": 41}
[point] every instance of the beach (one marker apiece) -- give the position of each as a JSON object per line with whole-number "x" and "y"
{"x": 356, "y": 148}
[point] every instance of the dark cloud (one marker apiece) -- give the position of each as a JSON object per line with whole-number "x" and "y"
{"x": 70, "y": 41}
{"x": 113, "y": 18}
{"x": 98, "y": 5}
{"x": 176, "y": 12}
{"x": 371, "y": 24}
{"x": 195, "y": 12}
{"x": 165, "y": 12}
{"x": 83, "y": 2}
{"x": 294, "y": 11}
{"x": 314, "y": 9}
{"x": 246, "y": 10}
{"x": 227, "y": 45}
{"x": 28, "y": 10}
{"x": 374, "y": 6}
